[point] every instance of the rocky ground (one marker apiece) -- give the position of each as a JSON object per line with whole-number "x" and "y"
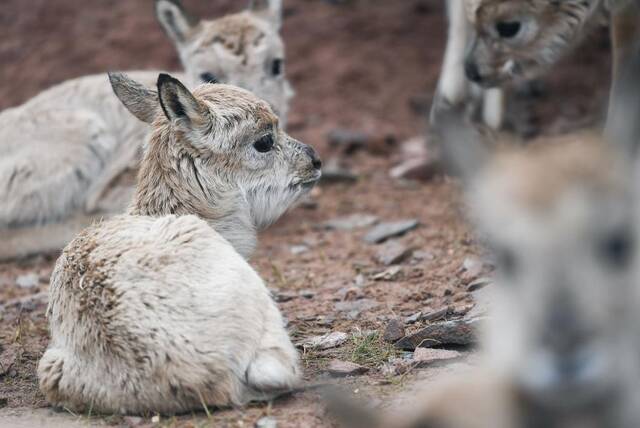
{"x": 374, "y": 263}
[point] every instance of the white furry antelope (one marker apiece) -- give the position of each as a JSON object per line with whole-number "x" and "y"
{"x": 562, "y": 220}
{"x": 157, "y": 310}
{"x": 60, "y": 151}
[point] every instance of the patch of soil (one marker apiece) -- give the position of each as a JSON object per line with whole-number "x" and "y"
{"x": 357, "y": 64}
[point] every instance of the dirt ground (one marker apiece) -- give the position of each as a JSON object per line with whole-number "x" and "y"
{"x": 364, "y": 65}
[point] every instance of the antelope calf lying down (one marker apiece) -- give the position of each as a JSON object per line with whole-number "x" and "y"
{"x": 157, "y": 310}
{"x": 60, "y": 150}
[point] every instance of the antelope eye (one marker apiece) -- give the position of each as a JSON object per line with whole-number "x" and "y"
{"x": 208, "y": 78}
{"x": 264, "y": 144}
{"x": 617, "y": 249}
{"x": 276, "y": 67}
{"x": 508, "y": 29}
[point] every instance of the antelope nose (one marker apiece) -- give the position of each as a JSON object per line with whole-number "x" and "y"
{"x": 315, "y": 160}
{"x": 472, "y": 71}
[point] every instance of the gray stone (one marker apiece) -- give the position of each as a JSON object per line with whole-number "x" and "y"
{"x": 338, "y": 368}
{"x": 351, "y": 222}
{"x": 296, "y": 250}
{"x": 348, "y": 140}
{"x": 478, "y": 284}
{"x": 426, "y": 356}
{"x": 30, "y": 280}
{"x": 333, "y": 172}
{"x": 435, "y": 315}
{"x": 355, "y": 307}
{"x": 456, "y": 332}
{"x": 389, "y": 274}
{"x": 384, "y": 231}
{"x": 266, "y": 422}
{"x": 394, "y": 331}
{"x": 393, "y": 252}
{"x": 326, "y": 341}
{"x": 412, "y": 319}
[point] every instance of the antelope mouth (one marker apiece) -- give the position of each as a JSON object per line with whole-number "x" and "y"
{"x": 309, "y": 182}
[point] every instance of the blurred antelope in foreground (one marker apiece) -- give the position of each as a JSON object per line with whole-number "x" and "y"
{"x": 496, "y": 41}
{"x": 561, "y": 219}
{"x": 60, "y": 151}
{"x": 157, "y": 310}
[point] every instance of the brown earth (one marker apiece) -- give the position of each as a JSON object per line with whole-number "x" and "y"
{"x": 368, "y": 65}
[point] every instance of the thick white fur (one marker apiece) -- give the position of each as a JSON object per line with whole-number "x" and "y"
{"x": 162, "y": 315}
{"x": 157, "y": 310}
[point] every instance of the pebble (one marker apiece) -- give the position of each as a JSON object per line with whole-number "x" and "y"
{"x": 354, "y": 308}
{"x": 435, "y": 315}
{"x": 456, "y": 332}
{"x": 393, "y": 252}
{"x": 351, "y": 222}
{"x": 384, "y": 231}
{"x": 133, "y": 421}
{"x": 266, "y": 422}
{"x": 348, "y": 140}
{"x": 421, "y": 169}
{"x": 298, "y": 249}
{"x": 412, "y": 319}
{"x": 338, "y": 368}
{"x": 389, "y": 274}
{"x": 333, "y": 172}
{"x": 30, "y": 280}
{"x": 394, "y": 331}
{"x": 425, "y": 356}
{"x": 478, "y": 284}
{"x": 326, "y": 341}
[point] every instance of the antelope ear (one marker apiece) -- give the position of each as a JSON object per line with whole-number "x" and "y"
{"x": 464, "y": 149}
{"x": 139, "y": 100}
{"x": 623, "y": 121}
{"x": 270, "y": 9}
{"x": 178, "y": 103}
{"x": 175, "y": 21}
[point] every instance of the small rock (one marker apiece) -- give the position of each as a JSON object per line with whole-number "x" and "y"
{"x": 412, "y": 319}
{"x": 462, "y": 310}
{"x": 307, "y": 294}
{"x": 333, "y": 172}
{"x": 384, "y": 231}
{"x": 326, "y": 341}
{"x": 425, "y": 356}
{"x": 422, "y": 169}
{"x": 478, "y": 284}
{"x": 348, "y": 140}
{"x": 456, "y": 332}
{"x": 298, "y": 249}
{"x": 266, "y": 422}
{"x": 435, "y": 315}
{"x": 359, "y": 280}
{"x": 393, "y": 252}
{"x": 30, "y": 280}
{"x": 284, "y": 296}
{"x": 339, "y": 368}
{"x": 354, "y": 308}
{"x": 7, "y": 359}
{"x": 351, "y": 222}
{"x": 133, "y": 421}
{"x": 394, "y": 331}
{"x": 325, "y": 321}
{"x": 155, "y": 419}
{"x": 388, "y": 275}
{"x": 472, "y": 268}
